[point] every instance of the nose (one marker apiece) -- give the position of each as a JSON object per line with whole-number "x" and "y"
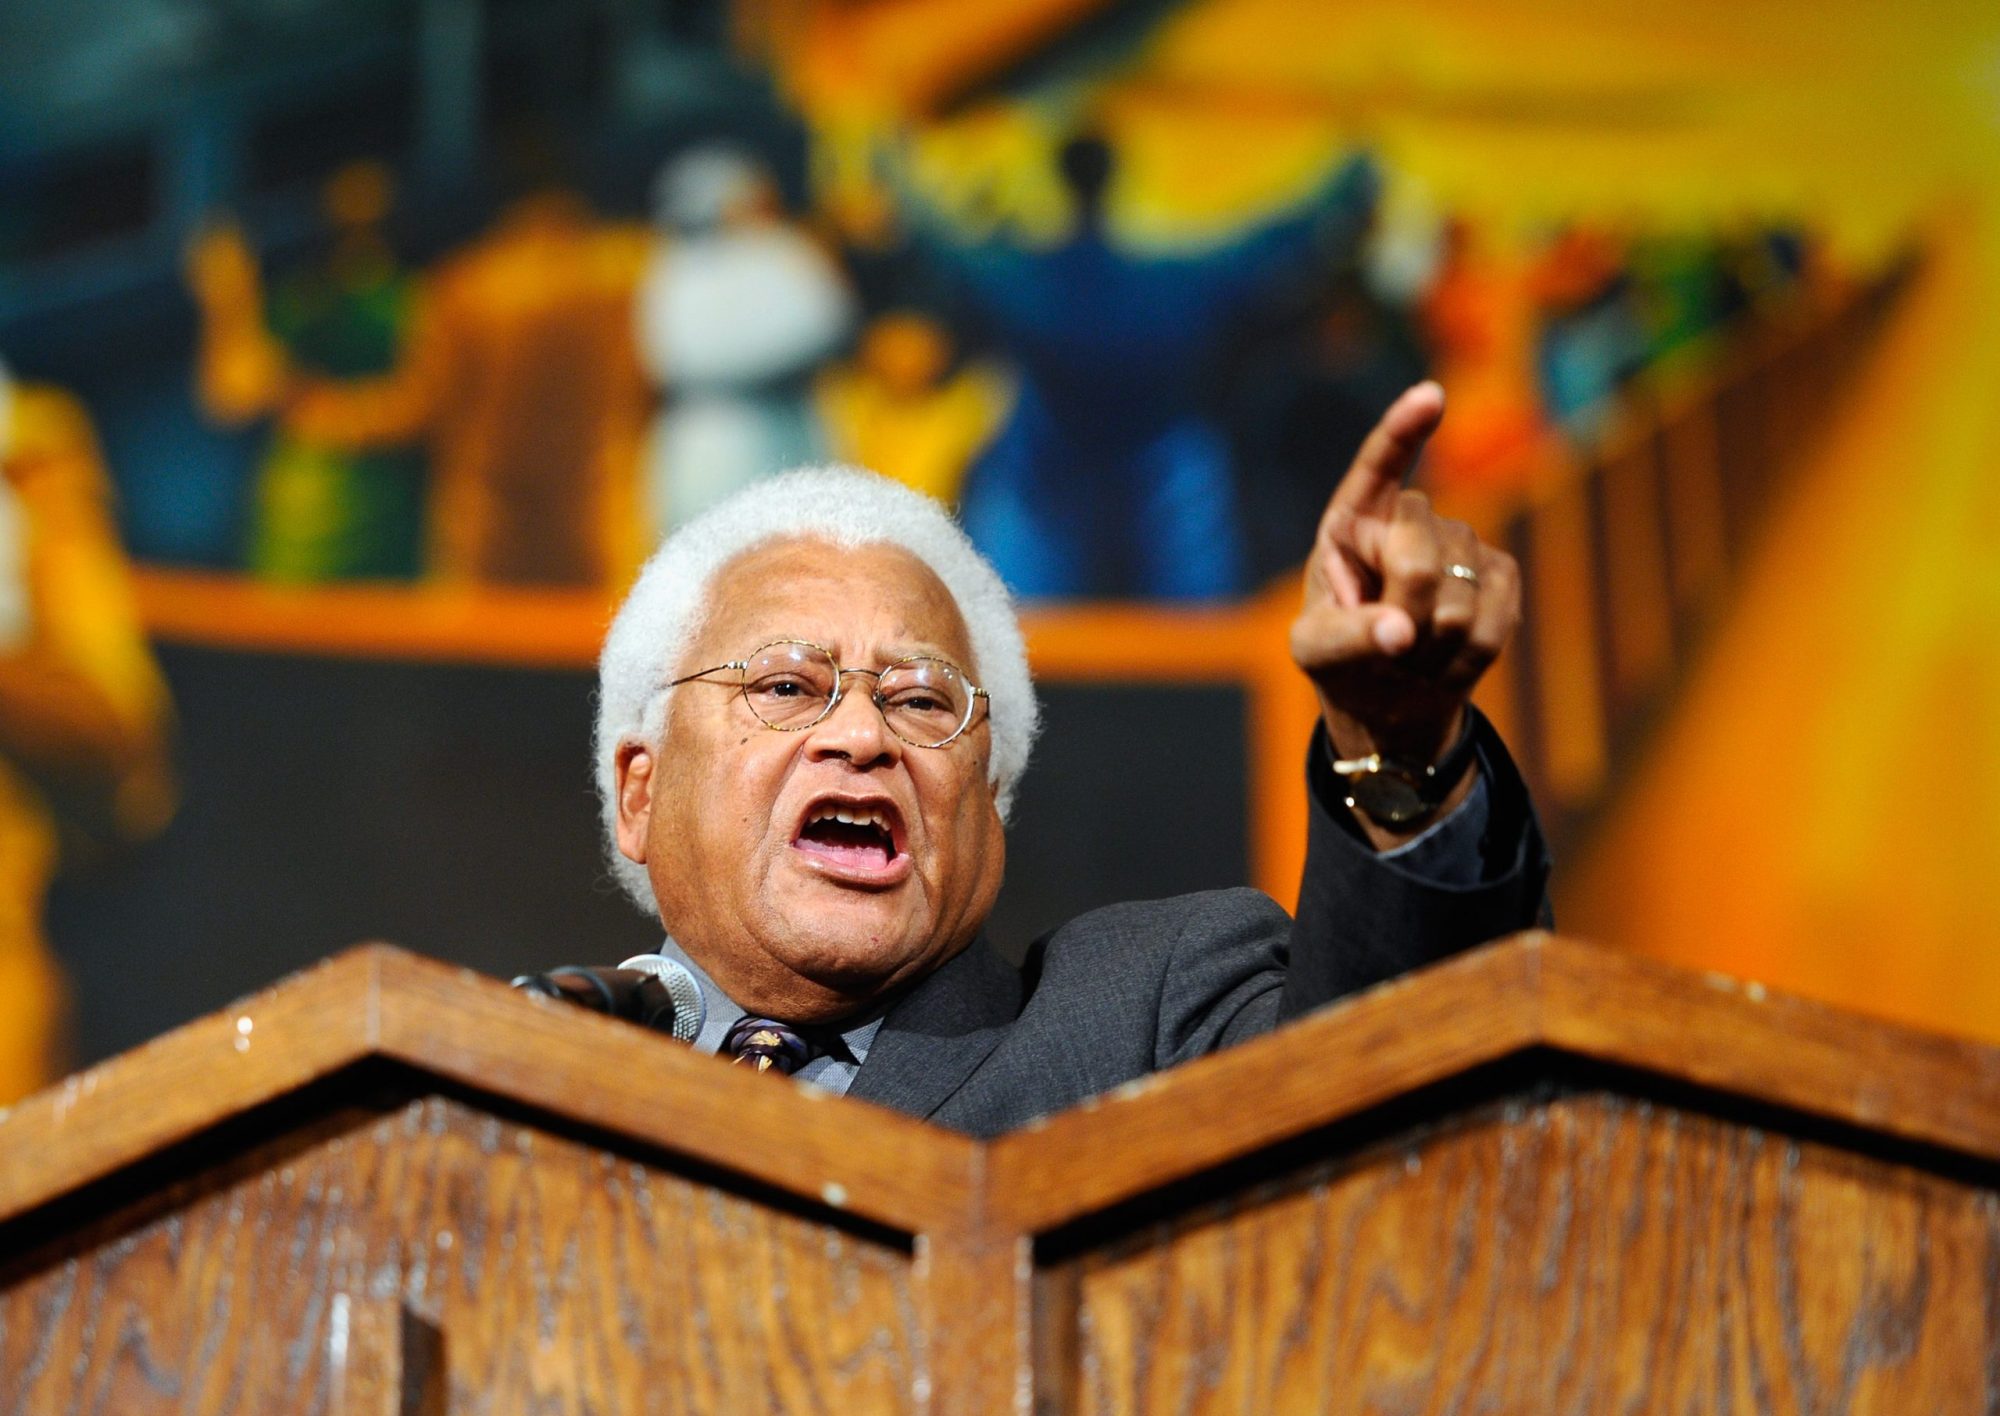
{"x": 855, "y": 729}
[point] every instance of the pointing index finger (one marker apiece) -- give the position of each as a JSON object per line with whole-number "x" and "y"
{"x": 1390, "y": 451}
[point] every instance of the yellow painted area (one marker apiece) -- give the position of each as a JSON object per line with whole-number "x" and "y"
{"x": 1842, "y": 114}
{"x": 838, "y": 58}
{"x": 83, "y": 709}
{"x": 1823, "y": 810}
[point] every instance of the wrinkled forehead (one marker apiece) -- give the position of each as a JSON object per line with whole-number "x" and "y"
{"x": 869, "y": 604}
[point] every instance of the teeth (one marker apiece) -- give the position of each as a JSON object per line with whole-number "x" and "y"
{"x": 852, "y": 816}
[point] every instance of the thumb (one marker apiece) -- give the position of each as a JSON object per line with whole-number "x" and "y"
{"x": 1326, "y": 635}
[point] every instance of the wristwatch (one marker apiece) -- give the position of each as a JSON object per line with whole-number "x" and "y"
{"x": 1401, "y": 794}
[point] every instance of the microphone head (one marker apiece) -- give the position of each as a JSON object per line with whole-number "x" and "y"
{"x": 690, "y": 1007}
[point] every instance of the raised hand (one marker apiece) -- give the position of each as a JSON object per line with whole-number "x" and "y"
{"x": 221, "y": 271}
{"x": 1404, "y": 609}
{"x": 241, "y": 372}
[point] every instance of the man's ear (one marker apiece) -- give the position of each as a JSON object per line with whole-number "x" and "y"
{"x": 634, "y": 766}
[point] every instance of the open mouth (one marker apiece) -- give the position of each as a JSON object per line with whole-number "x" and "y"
{"x": 855, "y": 838}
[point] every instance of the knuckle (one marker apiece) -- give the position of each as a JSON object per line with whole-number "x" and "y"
{"x": 1491, "y": 638}
{"x": 1410, "y": 565}
{"x": 1412, "y": 549}
{"x": 1453, "y": 620}
{"x": 1312, "y": 635}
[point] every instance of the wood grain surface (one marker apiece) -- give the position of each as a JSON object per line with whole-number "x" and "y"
{"x": 850, "y": 1155}
{"x": 1588, "y": 1254}
{"x": 574, "y": 1215}
{"x": 1530, "y": 991}
{"x": 380, "y": 1002}
{"x": 1738, "y": 1037}
{"x": 549, "y": 1276}
{"x": 1367, "y": 1050}
{"x": 140, "y": 1103}
{"x": 975, "y": 1300}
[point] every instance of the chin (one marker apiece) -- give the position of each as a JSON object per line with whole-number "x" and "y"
{"x": 845, "y": 953}
{"x": 843, "y": 941}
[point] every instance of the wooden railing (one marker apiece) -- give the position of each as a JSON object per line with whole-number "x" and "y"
{"x": 1629, "y": 544}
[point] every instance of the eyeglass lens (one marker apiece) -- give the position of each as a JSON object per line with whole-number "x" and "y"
{"x": 789, "y": 686}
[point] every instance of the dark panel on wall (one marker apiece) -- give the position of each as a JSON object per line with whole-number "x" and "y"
{"x": 450, "y": 810}
{"x": 326, "y": 801}
{"x": 1134, "y": 793}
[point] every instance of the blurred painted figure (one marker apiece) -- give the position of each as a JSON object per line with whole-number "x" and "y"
{"x": 521, "y": 374}
{"x": 908, "y": 408}
{"x": 83, "y": 709}
{"x": 1109, "y": 476}
{"x": 739, "y": 307}
{"x": 321, "y": 511}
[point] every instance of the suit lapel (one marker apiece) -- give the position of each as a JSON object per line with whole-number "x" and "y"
{"x": 941, "y": 1030}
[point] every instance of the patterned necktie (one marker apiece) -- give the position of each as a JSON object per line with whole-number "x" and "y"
{"x": 767, "y": 1045}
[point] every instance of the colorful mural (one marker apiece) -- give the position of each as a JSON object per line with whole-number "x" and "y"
{"x": 403, "y": 341}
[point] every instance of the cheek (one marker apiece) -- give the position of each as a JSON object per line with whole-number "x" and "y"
{"x": 703, "y": 808}
{"x": 739, "y": 807}
{"x": 748, "y": 831}
{"x": 983, "y": 865}
{"x": 975, "y": 837}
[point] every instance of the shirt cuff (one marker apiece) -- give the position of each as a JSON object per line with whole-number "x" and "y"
{"x": 1448, "y": 851}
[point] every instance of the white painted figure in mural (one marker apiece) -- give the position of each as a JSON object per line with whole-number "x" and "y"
{"x": 14, "y": 622}
{"x": 737, "y": 309}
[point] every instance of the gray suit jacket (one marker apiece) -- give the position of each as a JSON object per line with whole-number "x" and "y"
{"x": 982, "y": 1046}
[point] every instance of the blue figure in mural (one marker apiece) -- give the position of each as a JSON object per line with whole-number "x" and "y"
{"x": 1109, "y": 477}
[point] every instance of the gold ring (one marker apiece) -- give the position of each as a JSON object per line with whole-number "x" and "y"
{"x": 1461, "y": 571}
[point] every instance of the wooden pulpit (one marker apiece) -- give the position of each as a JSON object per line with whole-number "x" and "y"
{"x": 1542, "y": 1177}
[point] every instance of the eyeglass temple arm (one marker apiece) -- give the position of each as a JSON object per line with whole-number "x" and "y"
{"x": 738, "y": 664}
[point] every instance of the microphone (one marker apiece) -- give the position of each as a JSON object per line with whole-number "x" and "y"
{"x": 648, "y": 989}
{"x": 690, "y": 1006}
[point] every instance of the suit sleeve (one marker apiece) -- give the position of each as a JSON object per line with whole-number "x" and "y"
{"x": 1364, "y": 918}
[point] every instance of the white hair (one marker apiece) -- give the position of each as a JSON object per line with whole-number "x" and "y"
{"x": 849, "y": 508}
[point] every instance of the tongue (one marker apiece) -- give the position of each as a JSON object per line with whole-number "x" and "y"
{"x": 860, "y": 846}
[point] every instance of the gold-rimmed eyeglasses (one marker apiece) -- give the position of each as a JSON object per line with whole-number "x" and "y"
{"x": 791, "y": 684}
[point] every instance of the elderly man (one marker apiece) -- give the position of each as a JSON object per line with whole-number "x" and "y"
{"x": 815, "y": 709}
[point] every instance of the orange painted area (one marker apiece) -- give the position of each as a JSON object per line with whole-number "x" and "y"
{"x": 564, "y": 628}
{"x": 1823, "y": 811}
{"x": 519, "y": 628}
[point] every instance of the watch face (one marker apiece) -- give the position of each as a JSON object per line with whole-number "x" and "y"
{"x": 1388, "y": 800}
